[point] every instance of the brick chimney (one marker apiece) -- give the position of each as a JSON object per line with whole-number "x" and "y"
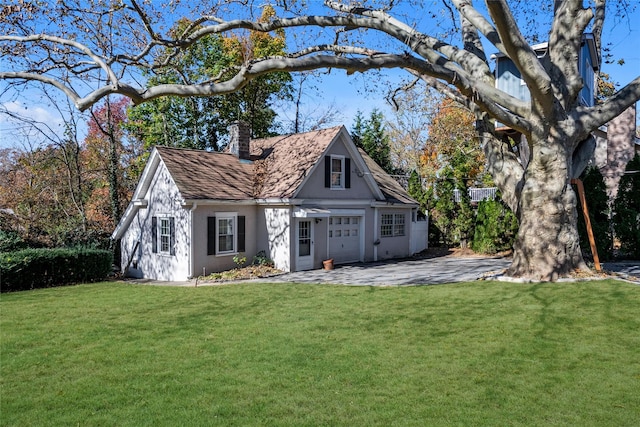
{"x": 240, "y": 139}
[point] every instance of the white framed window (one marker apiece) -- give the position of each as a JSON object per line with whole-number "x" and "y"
{"x": 386, "y": 225}
{"x": 398, "y": 224}
{"x": 226, "y": 235}
{"x": 163, "y": 235}
{"x": 392, "y": 225}
{"x": 337, "y": 172}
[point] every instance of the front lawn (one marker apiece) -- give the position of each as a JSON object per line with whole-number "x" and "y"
{"x": 482, "y": 353}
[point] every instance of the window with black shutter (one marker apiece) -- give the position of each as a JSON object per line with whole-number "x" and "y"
{"x": 154, "y": 235}
{"x": 337, "y": 172}
{"x": 211, "y": 235}
{"x": 241, "y": 234}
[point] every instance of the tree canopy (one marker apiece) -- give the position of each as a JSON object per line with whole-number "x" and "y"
{"x": 199, "y": 122}
{"x": 90, "y": 50}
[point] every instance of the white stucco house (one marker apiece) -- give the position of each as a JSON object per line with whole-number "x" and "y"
{"x": 300, "y": 198}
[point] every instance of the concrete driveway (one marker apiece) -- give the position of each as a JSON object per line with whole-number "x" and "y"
{"x": 423, "y": 271}
{"x": 436, "y": 270}
{"x": 447, "y": 269}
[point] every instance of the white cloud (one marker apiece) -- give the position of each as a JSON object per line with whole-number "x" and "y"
{"x": 36, "y": 113}
{"x": 14, "y": 133}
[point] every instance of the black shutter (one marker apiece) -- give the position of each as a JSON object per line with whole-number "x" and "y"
{"x": 211, "y": 235}
{"x": 347, "y": 172}
{"x": 172, "y": 236}
{"x": 327, "y": 172}
{"x": 241, "y": 234}
{"x": 154, "y": 235}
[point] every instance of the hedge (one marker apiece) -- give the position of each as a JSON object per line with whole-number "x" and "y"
{"x": 43, "y": 268}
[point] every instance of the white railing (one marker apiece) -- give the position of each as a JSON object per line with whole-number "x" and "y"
{"x": 477, "y": 194}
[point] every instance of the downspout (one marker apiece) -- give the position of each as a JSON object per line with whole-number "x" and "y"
{"x": 410, "y": 240}
{"x": 192, "y": 266}
{"x": 375, "y": 234}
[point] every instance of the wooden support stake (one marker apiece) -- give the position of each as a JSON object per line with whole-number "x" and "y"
{"x": 587, "y": 221}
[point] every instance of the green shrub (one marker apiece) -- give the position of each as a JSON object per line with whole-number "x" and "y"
{"x": 261, "y": 258}
{"x": 626, "y": 208}
{"x": 41, "y": 268}
{"x": 496, "y": 227}
{"x": 11, "y": 241}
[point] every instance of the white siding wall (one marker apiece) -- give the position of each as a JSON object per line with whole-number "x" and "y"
{"x": 275, "y": 236}
{"x": 419, "y": 235}
{"x": 162, "y": 201}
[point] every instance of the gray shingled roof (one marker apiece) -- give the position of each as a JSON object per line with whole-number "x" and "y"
{"x": 286, "y": 160}
{"x": 278, "y": 168}
{"x": 205, "y": 175}
{"x": 392, "y": 190}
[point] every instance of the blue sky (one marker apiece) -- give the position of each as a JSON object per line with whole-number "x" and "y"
{"x": 363, "y": 92}
{"x": 623, "y": 38}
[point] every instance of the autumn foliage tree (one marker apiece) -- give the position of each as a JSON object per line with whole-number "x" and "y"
{"x": 202, "y": 122}
{"x": 107, "y": 157}
{"x": 451, "y": 162}
{"x": 58, "y": 192}
{"x": 453, "y": 143}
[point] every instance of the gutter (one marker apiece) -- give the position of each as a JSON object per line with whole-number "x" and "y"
{"x": 376, "y": 239}
{"x": 214, "y": 202}
{"x": 191, "y": 260}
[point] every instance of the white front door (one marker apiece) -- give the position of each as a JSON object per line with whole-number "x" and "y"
{"x": 304, "y": 245}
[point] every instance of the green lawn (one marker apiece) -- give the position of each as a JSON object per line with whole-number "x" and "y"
{"x": 483, "y": 353}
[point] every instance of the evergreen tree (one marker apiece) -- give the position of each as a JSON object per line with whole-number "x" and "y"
{"x": 495, "y": 228}
{"x": 416, "y": 190}
{"x": 464, "y": 217}
{"x": 370, "y": 135}
{"x": 358, "y": 129}
{"x": 626, "y": 207}
{"x": 443, "y": 212}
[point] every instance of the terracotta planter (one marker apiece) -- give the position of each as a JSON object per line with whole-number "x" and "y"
{"x": 328, "y": 264}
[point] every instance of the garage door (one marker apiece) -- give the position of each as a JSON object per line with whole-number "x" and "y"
{"x": 344, "y": 239}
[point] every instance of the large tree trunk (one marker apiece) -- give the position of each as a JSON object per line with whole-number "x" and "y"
{"x": 547, "y": 246}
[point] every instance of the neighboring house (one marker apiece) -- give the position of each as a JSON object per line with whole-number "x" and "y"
{"x": 614, "y": 142}
{"x": 509, "y": 79}
{"x": 615, "y": 147}
{"x": 300, "y": 198}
